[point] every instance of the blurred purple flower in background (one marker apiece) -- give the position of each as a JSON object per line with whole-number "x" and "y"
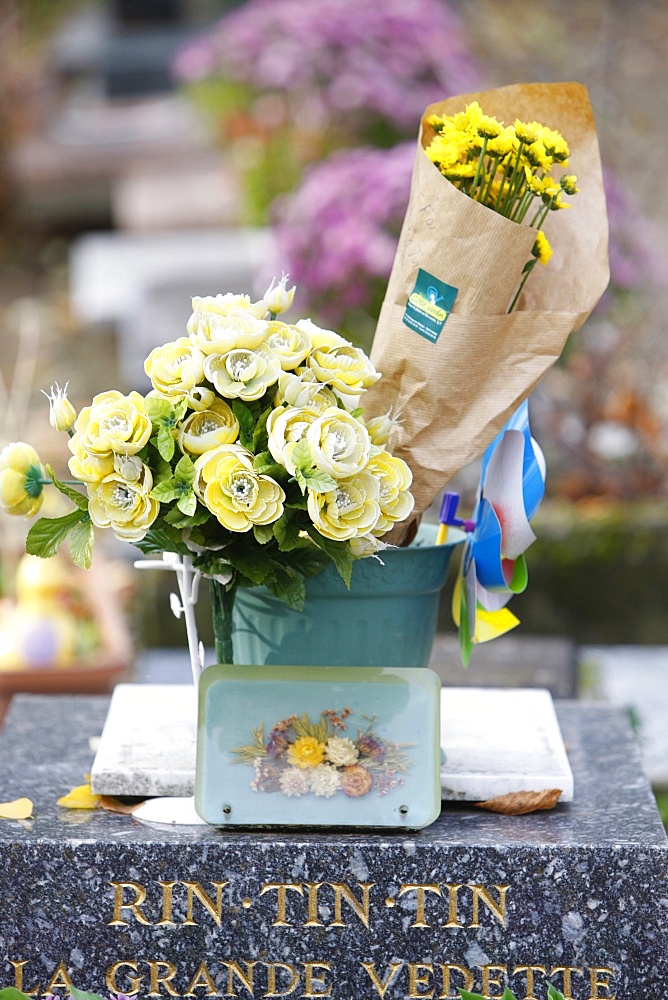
{"x": 338, "y": 233}
{"x": 385, "y": 58}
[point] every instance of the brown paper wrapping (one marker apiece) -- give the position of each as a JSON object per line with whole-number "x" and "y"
{"x": 453, "y": 396}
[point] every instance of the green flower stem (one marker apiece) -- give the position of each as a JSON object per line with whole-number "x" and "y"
{"x": 222, "y": 605}
{"x": 479, "y": 170}
{"x": 68, "y": 482}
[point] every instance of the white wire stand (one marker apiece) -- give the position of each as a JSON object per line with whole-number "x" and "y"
{"x": 188, "y": 580}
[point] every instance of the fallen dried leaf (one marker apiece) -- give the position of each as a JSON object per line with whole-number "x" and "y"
{"x": 519, "y": 803}
{"x": 18, "y": 809}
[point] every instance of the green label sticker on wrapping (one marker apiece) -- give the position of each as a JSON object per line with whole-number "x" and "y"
{"x": 429, "y": 305}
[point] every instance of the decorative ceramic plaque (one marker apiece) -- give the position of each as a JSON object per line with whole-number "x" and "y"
{"x": 318, "y": 746}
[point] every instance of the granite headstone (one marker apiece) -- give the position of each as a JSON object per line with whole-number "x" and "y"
{"x": 577, "y": 896}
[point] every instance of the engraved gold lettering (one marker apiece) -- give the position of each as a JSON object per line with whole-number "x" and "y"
{"x": 162, "y": 978}
{"x": 167, "y": 894}
{"x": 281, "y": 895}
{"x": 312, "y": 889}
{"x": 342, "y": 893}
{"x": 420, "y": 889}
{"x": 566, "y": 971}
{"x": 18, "y": 978}
{"x": 381, "y": 986}
{"x": 453, "y": 918}
{"x": 311, "y": 979}
{"x": 604, "y": 983}
{"x": 272, "y": 968}
{"x": 202, "y": 980}
{"x": 498, "y": 910}
{"x": 530, "y": 969}
{"x": 195, "y": 891}
{"x": 60, "y": 978}
{"x": 133, "y": 984}
{"x": 134, "y": 906}
{"x": 446, "y": 972}
{"x": 245, "y": 978}
{"x": 487, "y": 972}
{"x": 415, "y": 979}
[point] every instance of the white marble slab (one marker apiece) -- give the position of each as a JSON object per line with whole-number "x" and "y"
{"x": 495, "y": 741}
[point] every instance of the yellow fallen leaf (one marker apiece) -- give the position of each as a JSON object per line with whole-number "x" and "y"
{"x": 18, "y": 809}
{"x": 80, "y": 797}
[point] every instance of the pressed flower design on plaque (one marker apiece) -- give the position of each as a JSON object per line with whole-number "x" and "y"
{"x": 324, "y": 757}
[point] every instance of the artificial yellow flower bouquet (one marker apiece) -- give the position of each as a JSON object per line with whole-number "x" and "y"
{"x": 249, "y": 456}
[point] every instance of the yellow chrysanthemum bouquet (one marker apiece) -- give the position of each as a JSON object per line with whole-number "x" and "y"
{"x": 249, "y": 457}
{"x": 463, "y": 337}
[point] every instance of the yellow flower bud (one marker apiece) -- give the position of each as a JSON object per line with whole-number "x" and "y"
{"x": 61, "y": 412}
{"x": 278, "y": 297}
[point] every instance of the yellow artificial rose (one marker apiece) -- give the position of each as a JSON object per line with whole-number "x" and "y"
{"x": 349, "y": 510}
{"x": 339, "y": 443}
{"x": 346, "y": 369}
{"x": 289, "y": 344}
{"x": 228, "y": 486}
{"x": 87, "y": 467}
{"x": 218, "y": 334}
{"x": 286, "y": 425}
{"x": 243, "y": 374}
{"x": 395, "y": 479}
{"x": 61, "y": 412}
{"x": 225, "y": 305}
{"x": 112, "y": 423}
{"x": 320, "y": 337}
{"x": 175, "y": 368}
{"x": 305, "y": 752}
{"x": 123, "y": 506}
{"x": 206, "y": 429}
{"x": 21, "y": 493}
{"x": 302, "y": 388}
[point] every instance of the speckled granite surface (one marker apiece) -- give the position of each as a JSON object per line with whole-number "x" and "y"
{"x": 579, "y": 894}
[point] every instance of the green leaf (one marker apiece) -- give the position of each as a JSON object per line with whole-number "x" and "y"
{"x": 246, "y": 422}
{"x": 163, "y": 539}
{"x": 250, "y": 561}
{"x": 288, "y": 586}
{"x": 264, "y": 464}
{"x": 301, "y": 456}
{"x": 11, "y": 993}
{"x": 300, "y": 480}
{"x": 553, "y": 993}
{"x": 158, "y": 410}
{"x": 165, "y": 442}
{"x": 263, "y": 533}
{"x": 80, "y": 499}
{"x": 82, "y": 995}
{"x": 185, "y": 470}
{"x": 318, "y": 481}
{"x": 357, "y": 412}
{"x": 260, "y": 436}
{"x": 338, "y": 552}
{"x": 81, "y": 543}
{"x": 179, "y": 520}
{"x": 465, "y": 641}
{"x": 286, "y": 531}
{"x": 187, "y": 504}
{"x": 48, "y": 533}
{"x": 165, "y": 491}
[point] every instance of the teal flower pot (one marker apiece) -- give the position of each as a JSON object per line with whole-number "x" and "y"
{"x": 388, "y": 617}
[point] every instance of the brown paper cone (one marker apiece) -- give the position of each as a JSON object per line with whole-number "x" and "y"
{"x": 455, "y": 394}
